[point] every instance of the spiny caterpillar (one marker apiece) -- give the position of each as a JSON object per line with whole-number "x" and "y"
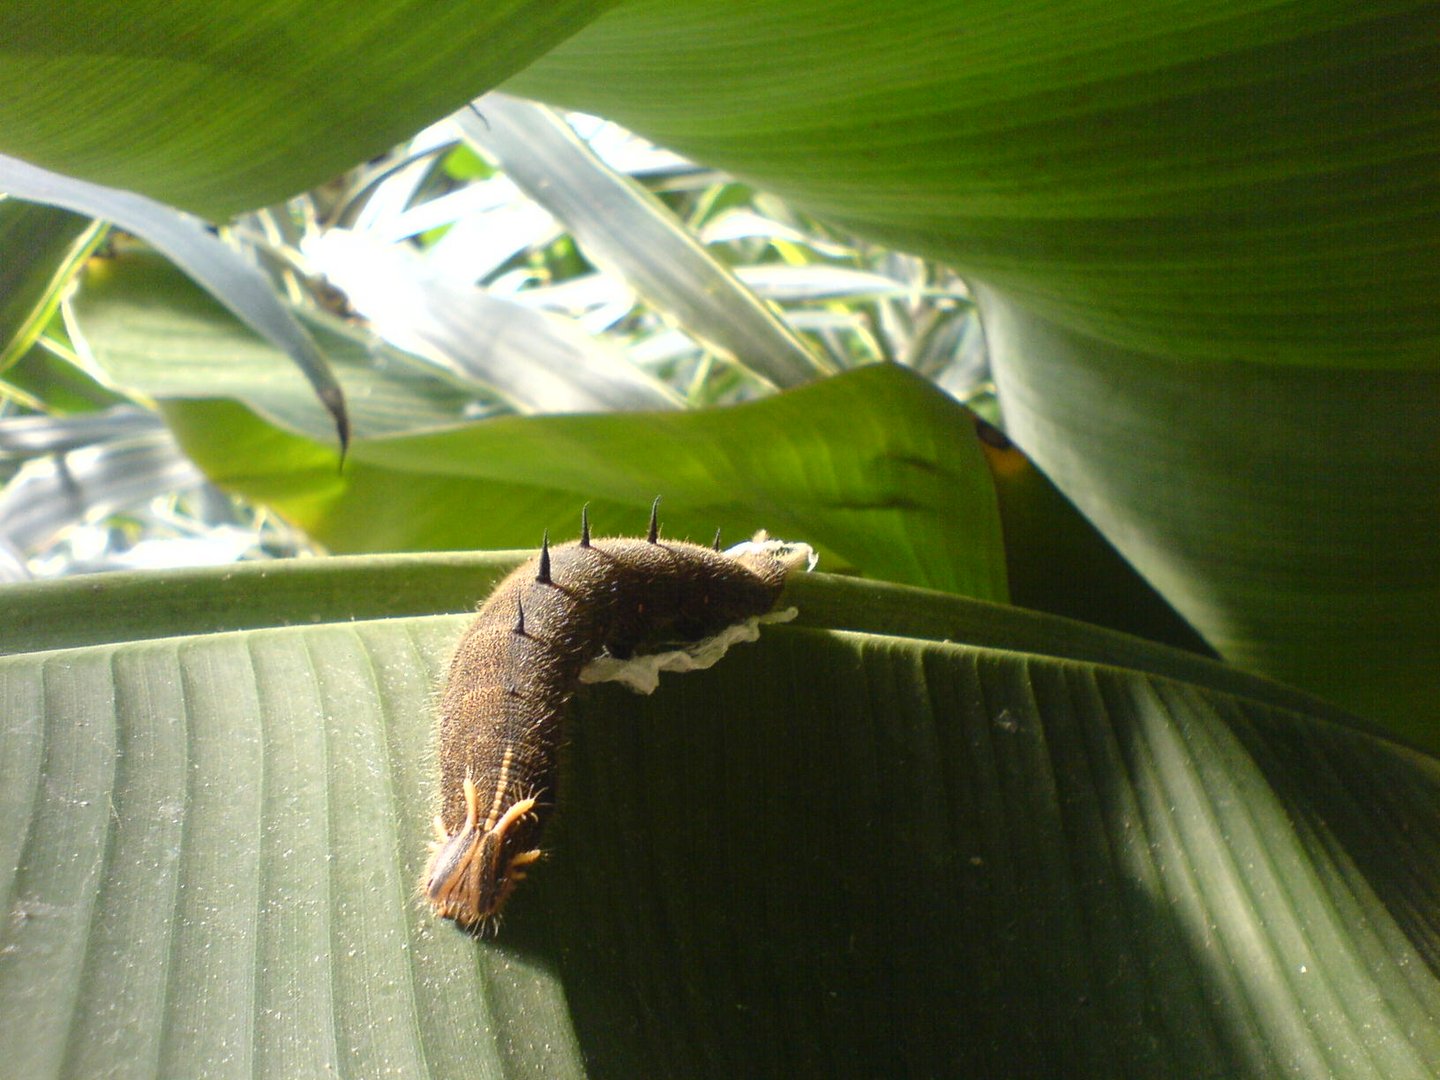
{"x": 591, "y": 610}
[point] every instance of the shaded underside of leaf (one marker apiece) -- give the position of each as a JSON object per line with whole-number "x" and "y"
{"x": 1194, "y": 180}
{"x": 1302, "y": 539}
{"x": 1057, "y": 561}
{"x": 1191, "y": 179}
{"x": 231, "y": 106}
{"x": 834, "y": 853}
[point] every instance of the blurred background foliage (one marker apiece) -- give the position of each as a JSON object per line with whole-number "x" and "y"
{"x": 477, "y": 303}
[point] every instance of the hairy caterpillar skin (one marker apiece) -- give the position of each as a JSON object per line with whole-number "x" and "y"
{"x": 517, "y": 666}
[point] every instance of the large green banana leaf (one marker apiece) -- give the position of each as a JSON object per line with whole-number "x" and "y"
{"x": 912, "y": 835}
{"x": 1205, "y": 233}
{"x": 219, "y": 107}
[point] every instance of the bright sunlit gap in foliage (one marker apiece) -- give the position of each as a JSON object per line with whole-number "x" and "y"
{"x": 435, "y": 251}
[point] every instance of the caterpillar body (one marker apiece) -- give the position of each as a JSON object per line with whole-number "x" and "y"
{"x": 589, "y": 610}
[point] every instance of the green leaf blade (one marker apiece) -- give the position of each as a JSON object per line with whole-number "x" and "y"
{"x": 838, "y": 852}
{"x": 188, "y": 84}
{"x": 1301, "y": 540}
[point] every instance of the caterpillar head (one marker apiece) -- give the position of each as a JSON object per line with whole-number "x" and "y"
{"x": 473, "y": 872}
{"x": 773, "y": 559}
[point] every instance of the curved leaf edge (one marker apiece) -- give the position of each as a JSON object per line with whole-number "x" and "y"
{"x": 97, "y": 609}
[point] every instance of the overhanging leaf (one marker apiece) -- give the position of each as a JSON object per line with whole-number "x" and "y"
{"x": 1302, "y": 542}
{"x": 835, "y": 852}
{"x": 231, "y": 106}
{"x": 1191, "y": 180}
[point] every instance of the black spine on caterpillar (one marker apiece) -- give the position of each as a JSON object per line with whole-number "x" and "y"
{"x": 516, "y": 668}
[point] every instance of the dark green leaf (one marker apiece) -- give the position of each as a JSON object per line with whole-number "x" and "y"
{"x": 229, "y": 106}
